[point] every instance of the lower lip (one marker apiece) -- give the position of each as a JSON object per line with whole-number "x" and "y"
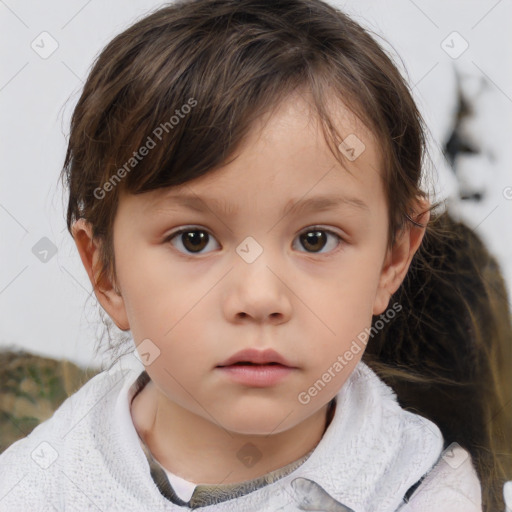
{"x": 257, "y": 375}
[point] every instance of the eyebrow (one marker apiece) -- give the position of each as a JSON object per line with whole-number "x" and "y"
{"x": 296, "y": 206}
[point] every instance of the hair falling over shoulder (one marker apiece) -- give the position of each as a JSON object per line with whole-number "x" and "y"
{"x": 192, "y": 77}
{"x": 448, "y": 354}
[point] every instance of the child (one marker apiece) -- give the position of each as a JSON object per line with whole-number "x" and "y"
{"x": 280, "y": 136}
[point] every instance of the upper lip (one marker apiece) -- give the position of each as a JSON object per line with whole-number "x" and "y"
{"x": 253, "y": 355}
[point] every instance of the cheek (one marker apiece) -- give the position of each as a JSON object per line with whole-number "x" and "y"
{"x": 339, "y": 340}
{"x": 156, "y": 294}
{"x": 174, "y": 321}
{"x": 344, "y": 314}
{"x": 348, "y": 300}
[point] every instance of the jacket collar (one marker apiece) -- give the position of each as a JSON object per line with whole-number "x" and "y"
{"x": 369, "y": 456}
{"x": 371, "y": 453}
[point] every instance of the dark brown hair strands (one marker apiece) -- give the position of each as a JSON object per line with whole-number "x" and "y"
{"x": 232, "y": 61}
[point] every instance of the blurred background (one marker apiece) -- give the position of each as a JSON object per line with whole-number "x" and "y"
{"x": 456, "y": 55}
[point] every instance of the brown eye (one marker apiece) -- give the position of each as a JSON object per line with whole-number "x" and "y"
{"x": 192, "y": 241}
{"x": 314, "y": 240}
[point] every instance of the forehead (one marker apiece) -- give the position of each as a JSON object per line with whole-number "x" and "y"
{"x": 286, "y": 158}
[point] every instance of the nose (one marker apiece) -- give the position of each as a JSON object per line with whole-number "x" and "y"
{"x": 258, "y": 292}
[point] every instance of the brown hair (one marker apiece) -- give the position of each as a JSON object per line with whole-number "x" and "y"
{"x": 188, "y": 82}
{"x": 447, "y": 354}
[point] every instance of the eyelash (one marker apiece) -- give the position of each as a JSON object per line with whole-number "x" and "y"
{"x": 304, "y": 231}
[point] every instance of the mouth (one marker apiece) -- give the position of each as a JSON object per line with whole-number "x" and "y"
{"x": 249, "y": 363}
{"x": 255, "y": 375}
{"x": 256, "y": 357}
{"x": 256, "y": 368}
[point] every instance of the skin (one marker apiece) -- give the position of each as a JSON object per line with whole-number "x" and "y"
{"x": 307, "y": 301}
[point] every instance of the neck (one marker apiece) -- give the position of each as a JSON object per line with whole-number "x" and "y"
{"x": 201, "y": 451}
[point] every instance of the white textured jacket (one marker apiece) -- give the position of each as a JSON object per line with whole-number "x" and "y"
{"x": 88, "y": 457}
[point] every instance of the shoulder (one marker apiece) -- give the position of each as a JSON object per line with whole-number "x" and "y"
{"x": 30, "y": 468}
{"x": 449, "y": 482}
{"x": 452, "y": 485}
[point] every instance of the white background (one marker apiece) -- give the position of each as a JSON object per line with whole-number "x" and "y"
{"x": 47, "y": 308}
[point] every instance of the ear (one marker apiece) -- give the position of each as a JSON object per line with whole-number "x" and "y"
{"x": 399, "y": 257}
{"x": 106, "y": 292}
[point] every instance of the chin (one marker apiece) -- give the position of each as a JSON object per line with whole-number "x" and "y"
{"x": 260, "y": 422}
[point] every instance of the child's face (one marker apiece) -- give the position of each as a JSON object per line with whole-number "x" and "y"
{"x": 306, "y": 299}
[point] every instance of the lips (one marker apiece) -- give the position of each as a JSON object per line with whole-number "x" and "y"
{"x": 253, "y": 356}
{"x": 256, "y": 368}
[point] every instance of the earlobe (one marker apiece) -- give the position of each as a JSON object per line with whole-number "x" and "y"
{"x": 106, "y": 291}
{"x": 399, "y": 257}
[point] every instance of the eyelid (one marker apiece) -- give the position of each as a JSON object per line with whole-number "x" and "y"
{"x": 195, "y": 227}
{"x": 192, "y": 227}
{"x": 185, "y": 229}
{"x": 341, "y": 240}
{"x": 306, "y": 229}
{"x": 320, "y": 228}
